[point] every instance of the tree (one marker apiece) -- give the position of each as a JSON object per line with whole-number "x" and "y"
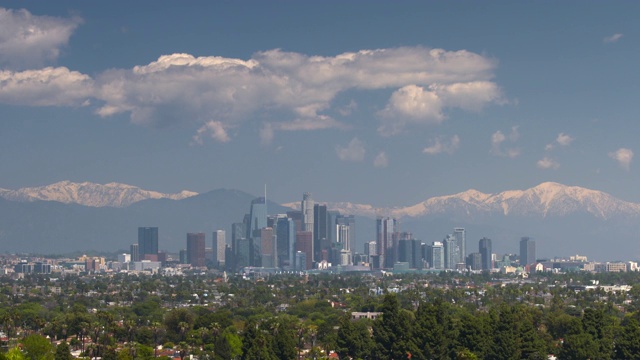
{"x": 37, "y": 347}
{"x": 255, "y": 345}
{"x": 628, "y": 343}
{"x": 392, "y": 332}
{"x": 63, "y": 352}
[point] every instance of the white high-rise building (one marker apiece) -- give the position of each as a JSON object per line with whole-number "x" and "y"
{"x": 461, "y": 241}
{"x": 307, "y": 215}
{"x": 219, "y": 244}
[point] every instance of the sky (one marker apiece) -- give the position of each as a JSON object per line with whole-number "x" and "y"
{"x": 384, "y": 103}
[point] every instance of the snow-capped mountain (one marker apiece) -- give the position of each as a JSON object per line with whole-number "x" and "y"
{"x": 545, "y": 200}
{"x": 90, "y": 194}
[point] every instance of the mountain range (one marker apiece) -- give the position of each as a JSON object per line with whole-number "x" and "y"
{"x": 563, "y": 220}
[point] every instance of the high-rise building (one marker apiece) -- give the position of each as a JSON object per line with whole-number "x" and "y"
{"x": 257, "y": 221}
{"x": 461, "y": 241}
{"x": 268, "y": 248}
{"x": 474, "y": 261}
{"x": 135, "y": 252}
{"x": 147, "y": 241}
{"x": 436, "y": 255}
{"x": 386, "y": 232}
{"x": 320, "y": 230}
{"x": 307, "y": 218}
{"x": 451, "y": 252}
{"x": 219, "y": 243}
{"x": 286, "y": 237}
{"x": 527, "y": 251}
{"x": 196, "y": 249}
{"x": 484, "y": 246}
{"x": 304, "y": 243}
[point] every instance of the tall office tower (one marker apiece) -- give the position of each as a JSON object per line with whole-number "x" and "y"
{"x": 485, "y": 252}
{"x": 286, "y": 238}
{"x": 320, "y": 230}
{"x": 404, "y": 251}
{"x": 370, "y": 248}
{"x": 307, "y": 218}
{"x": 527, "y": 251}
{"x": 196, "y": 249}
{"x": 436, "y": 255}
{"x": 416, "y": 251}
{"x": 461, "y": 241}
{"x": 386, "y": 231}
{"x": 257, "y": 221}
{"x": 349, "y": 221}
{"x": 451, "y": 252}
{"x": 242, "y": 253}
{"x": 218, "y": 245}
{"x": 474, "y": 261}
{"x": 304, "y": 243}
{"x": 268, "y": 248}
{"x": 147, "y": 242}
{"x": 344, "y": 244}
{"x": 331, "y": 222}
{"x": 237, "y": 232}
{"x": 135, "y": 252}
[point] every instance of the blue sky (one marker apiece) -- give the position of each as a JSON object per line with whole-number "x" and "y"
{"x": 371, "y": 102}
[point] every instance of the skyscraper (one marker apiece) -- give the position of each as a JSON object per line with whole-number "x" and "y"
{"x": 135, "y": 252}
{"x": 196, "y": 249}
{"x": 286, "y": 237}
{"x": 461, "y": 241}
{"x": 484, "y": 246}
{"x": 147, "y": 241}
{"x": 307, "y": 218}
{"x": 304, "y": 244}
{"x": 451, "y": 252}
{"x": 386, "y": 231}
{"x": 268, "y": 248}
{"x": 320, "y": 230}
{"x": 219, "y": 243}
{"x": 257, "y": 221}
{"x": 527, "y": 251}
{"x": 435, "y": 254}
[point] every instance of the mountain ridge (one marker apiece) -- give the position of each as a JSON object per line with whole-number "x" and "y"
{"x": 545, "y": 199}
{"x": 90, "y": 194}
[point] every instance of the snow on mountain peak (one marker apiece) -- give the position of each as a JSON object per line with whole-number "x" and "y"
{"x": 90, "y": 194}
{"x": 545, "y": 199}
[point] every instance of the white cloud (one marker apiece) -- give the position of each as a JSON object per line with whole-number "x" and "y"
{"x": 297, "y": 88}
{"x": 562, "y": 139}
{"x": 45, "y": 87}
{"x": 349, "y": 108}
{"x": 547, "y": 163}
{"x": 415, "y": 104}
{"x": 438, "y": 145}
{"x": 623, "y": 156}
{"x": 354, "y": 151}
{"x": 213, "y": 129}
{"x": 266, "y": 134}
{"x": 381, "y": 161}
{"x": 27, "y": 39}
{"x": 613, "y": 38}
{"x": 497, "y": 140}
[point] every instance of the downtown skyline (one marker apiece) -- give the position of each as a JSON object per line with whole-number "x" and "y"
{"x": 383, "y": 104}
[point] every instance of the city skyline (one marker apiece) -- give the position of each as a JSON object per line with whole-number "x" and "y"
{"x": 400, "y": 102}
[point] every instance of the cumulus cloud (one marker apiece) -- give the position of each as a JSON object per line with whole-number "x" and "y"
{"x": 381, "y": 160}
{"x": 497, "y": 140}
{"x": 547, "y": 163}
{"x": 28, "y": 40}
{"x": 45, "y": 87}
{"x": 294, "y": 87}
{"x": 354, "y": 151}
{"x": 438, "y": 145}
{"x": 613, "y": 38}
{"x": 623, "y": 156}
{"x": 562, "y": 139}
{"x": 417, "y": 104}
{"x": 213, "y": 129}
